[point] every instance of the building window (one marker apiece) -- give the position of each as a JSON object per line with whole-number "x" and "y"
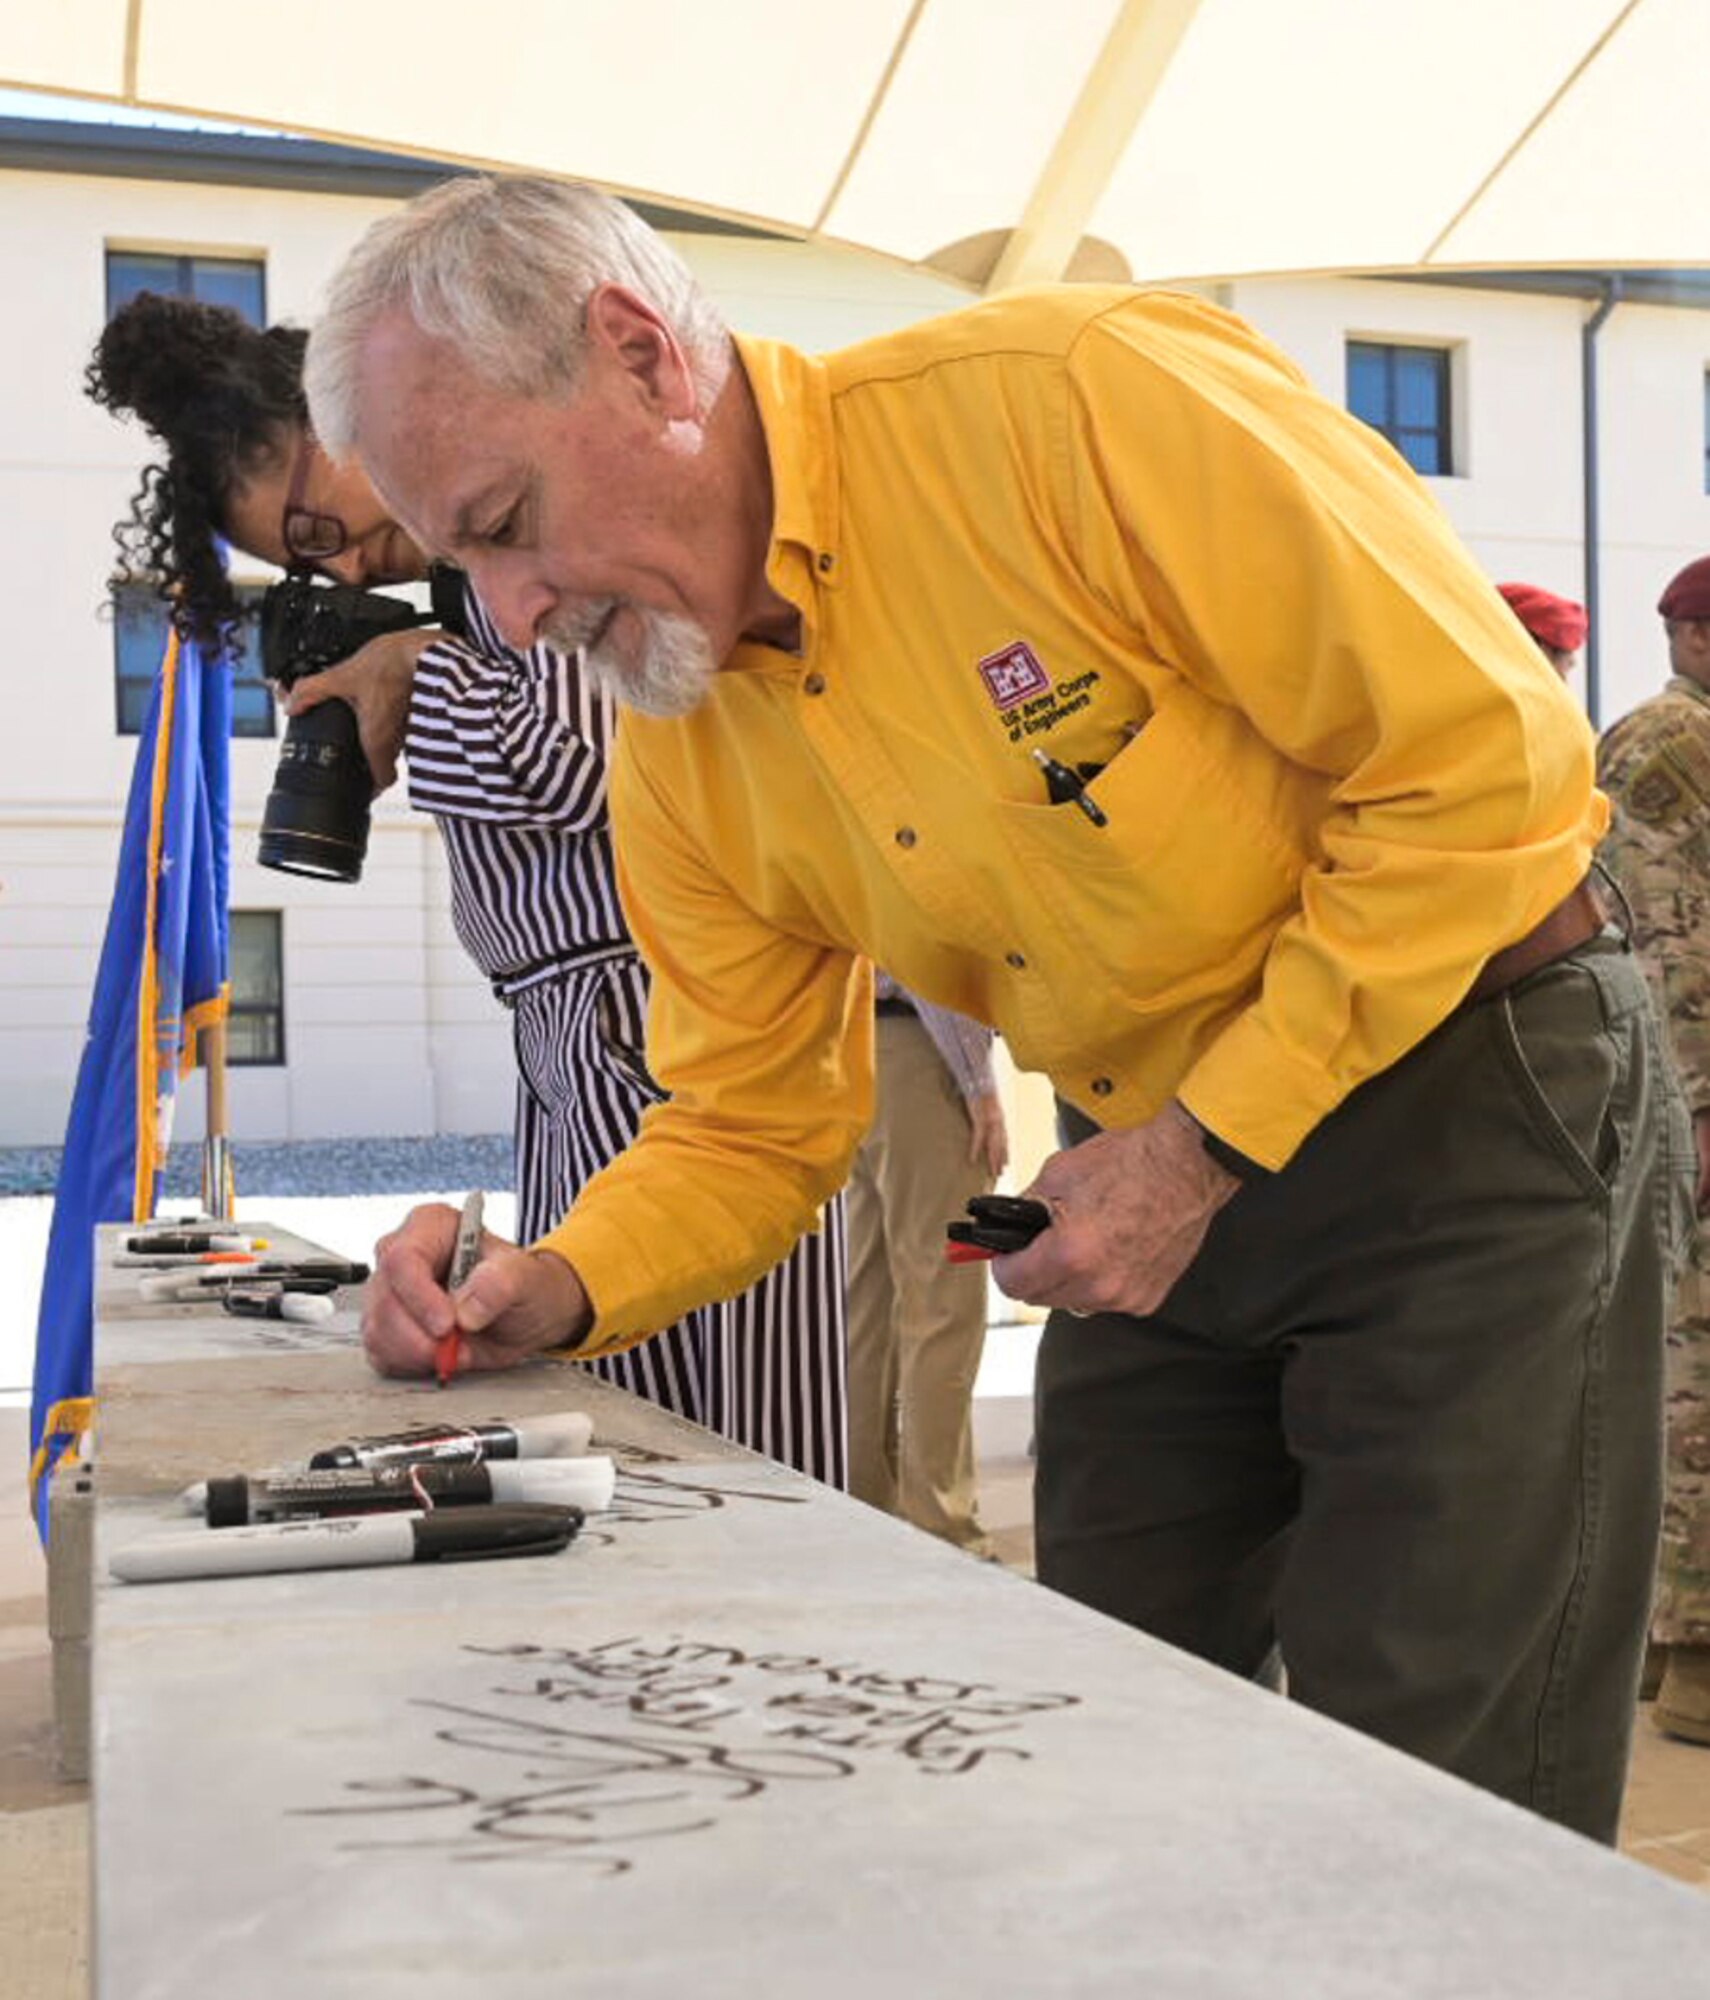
{"x": 1404, "y": 392}
{"x": 255, "y": 1028}
{"x": 139, "y": 646}
{"x": 238, "y": 282}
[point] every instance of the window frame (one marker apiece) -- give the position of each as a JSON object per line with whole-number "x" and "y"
{"x": 134, "y": 678}
{"x": 250, "y": 722}
{"x": 1443, "y": 430}
{"x": 185, "y": 265}
{"x": 244, "y": 1010}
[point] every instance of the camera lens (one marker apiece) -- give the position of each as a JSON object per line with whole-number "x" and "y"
{"x": 316, "y": 818}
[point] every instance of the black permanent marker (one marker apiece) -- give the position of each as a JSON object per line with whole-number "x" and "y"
{"x": 562, "y": 1436}
{"x": 222, "y": 1265}
{"x": 176, "y": 1288}
{"x": 341, "y": 1270}
{"x": 1002, "y": 1224}
{"x": 1065, "y": 787}
{"x": 353, "y": 1541}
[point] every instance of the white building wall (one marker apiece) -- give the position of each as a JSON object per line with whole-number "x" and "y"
{"x": 1517, "y": 496}
{"x": 1656, "y": 513}
{"x": 388, "y": 1028}
{"x": 358, "y": 1047}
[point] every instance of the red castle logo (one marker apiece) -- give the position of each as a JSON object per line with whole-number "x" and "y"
{"x": 1013, "y": 676}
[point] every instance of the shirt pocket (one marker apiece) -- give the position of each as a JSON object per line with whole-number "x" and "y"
{"x": 1181, "y": 890}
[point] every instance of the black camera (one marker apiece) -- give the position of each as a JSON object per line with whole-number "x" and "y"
{"x": 316, "y": 818}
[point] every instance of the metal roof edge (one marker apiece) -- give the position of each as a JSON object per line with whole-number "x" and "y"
{"x": 1687, "y": 288}
{"x": 272, "y": 160}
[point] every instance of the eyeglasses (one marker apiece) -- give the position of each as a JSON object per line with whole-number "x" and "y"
{"x": 308, "y": 536}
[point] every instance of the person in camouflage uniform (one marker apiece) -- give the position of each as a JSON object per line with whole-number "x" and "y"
{"x": 1655, "y": 766}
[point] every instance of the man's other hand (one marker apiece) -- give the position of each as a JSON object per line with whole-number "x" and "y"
{"x": 1129, "y": 1211}
{"x": 514, "y": 1304}
{"x": 988, "y": 1137}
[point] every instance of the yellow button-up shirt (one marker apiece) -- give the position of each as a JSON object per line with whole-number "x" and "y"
{"x": 1332, "y": 774}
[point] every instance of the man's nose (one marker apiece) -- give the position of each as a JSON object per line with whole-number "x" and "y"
{"x": 517, "y": 605}
{"x": 350, "y": 565}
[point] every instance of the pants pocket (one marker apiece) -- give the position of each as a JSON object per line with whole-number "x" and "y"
{"x": 1569, "y": 1072}
{"x": 620, "y": 1022}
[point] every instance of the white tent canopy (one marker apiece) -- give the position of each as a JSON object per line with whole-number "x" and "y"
{"x": 995, "y": 140}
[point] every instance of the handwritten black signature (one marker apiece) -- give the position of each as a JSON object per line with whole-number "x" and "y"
{"x": 629, "y": 1740}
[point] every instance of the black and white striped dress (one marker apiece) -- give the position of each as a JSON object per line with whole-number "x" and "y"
{"x": 508, "y": 752}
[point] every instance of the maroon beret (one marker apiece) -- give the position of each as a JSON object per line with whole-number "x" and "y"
{"x": 1688, "y": 596}
{"x": 1551, "y": 620}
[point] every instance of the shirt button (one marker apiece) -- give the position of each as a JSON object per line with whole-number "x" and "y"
{"x": 826, "y": 559}
{"x": 906, "y": 836}
{"x": 1102, "y": 1086}
{"x": 1015, "y": 961}
{"x": 813, "y": 684}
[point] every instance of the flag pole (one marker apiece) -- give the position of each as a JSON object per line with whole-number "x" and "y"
{"x": 216, "y": 1147}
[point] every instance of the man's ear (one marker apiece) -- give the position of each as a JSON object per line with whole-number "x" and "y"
{"x": 644, "y": 350}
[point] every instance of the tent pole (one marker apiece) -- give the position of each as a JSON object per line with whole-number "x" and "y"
{"x": 1133, "y": 63}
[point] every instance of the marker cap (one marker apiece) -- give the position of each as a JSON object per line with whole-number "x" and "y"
{"x": 587, "y": 1482}
{"x": 564, "y": 1436}
{"x": 306, "y": 1307}
{"x": 474, "y": 1534}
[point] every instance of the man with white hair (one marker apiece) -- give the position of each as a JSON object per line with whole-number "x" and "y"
{"x": 1068, "y": 657}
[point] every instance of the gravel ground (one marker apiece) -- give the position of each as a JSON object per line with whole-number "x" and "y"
{"x": 307, "y": 1167}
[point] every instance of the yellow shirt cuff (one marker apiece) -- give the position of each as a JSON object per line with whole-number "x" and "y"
{"x": 1256, "y": 1095}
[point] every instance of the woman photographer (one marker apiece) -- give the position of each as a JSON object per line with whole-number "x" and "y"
{"x": 508, "y": 752}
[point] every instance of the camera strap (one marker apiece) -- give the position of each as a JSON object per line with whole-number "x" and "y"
{"x": 448, "y": 591}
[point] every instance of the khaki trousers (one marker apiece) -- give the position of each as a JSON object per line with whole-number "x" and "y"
{"x": 1402, "y": 1417}
{"x": 917, "y": 1325}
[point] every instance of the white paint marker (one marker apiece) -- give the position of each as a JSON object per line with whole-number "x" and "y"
{"x": 306, "y": 1307}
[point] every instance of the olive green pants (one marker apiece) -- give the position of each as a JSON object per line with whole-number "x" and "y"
{"x": 1401, "y": 1419}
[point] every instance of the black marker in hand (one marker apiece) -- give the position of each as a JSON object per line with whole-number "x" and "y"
{"x": 1001, "y": 1225}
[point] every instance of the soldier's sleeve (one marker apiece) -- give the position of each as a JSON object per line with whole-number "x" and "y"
{"x": 1655, "y": 766}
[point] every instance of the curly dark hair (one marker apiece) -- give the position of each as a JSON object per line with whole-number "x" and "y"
{"x": 219, "y": 395}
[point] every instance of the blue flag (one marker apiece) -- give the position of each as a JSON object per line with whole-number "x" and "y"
{"x": 163, "y": 976}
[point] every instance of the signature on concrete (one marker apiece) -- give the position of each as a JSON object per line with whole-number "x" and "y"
{"x": 633, "y": 1740}
{"x": 643, "y": 1498}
